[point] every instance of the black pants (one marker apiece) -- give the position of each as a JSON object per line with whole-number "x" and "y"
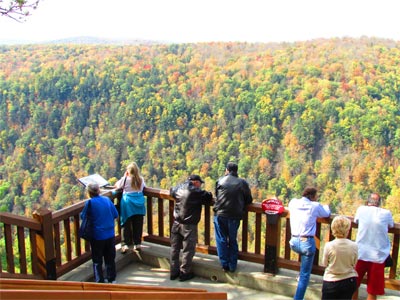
{"x": 103, "y": 249}
{"x": 342, "y": 289}
{"x": 132, "y": 230}
{"x": 183, "y": 236}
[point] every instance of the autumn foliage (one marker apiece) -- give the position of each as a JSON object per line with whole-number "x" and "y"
{"x": 322, "y": 112}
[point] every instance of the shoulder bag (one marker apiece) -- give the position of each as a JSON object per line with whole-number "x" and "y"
{"x": 389, "y": 261}
{"x": 86, "y": 228}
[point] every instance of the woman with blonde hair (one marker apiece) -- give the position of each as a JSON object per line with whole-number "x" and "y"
{"x": 132, "y": 208}
{"x": 340, "y": 258}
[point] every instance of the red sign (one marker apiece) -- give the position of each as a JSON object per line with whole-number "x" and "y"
{"x": 272, "y": 206}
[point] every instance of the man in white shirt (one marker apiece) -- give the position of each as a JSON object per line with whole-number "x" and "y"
{"x": 303, "y": 221}
{"x": 373, "y": 244}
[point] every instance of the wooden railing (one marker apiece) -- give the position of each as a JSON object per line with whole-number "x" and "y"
{"x": 47, "y": 245}
{"x": 40, "y": 289}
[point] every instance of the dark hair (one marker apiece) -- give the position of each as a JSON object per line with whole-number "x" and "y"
{"x": 309, "y": 192}
{"x": 232, "y": 167}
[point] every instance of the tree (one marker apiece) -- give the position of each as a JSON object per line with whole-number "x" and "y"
{"x": 17, "y": 9}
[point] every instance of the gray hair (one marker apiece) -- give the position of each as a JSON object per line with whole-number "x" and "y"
{"x": 374, "y": 199}
{"x": 93, "y": 189}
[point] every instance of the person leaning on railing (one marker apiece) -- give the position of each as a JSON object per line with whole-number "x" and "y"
{"x": 103, "y": 214}
{"x": 303, "y": 223}
{"x": 132, "y": 208}
{"x": 373, "y": 244}
{"x": 233, "y": 194}
{"x": 189, "y": 200}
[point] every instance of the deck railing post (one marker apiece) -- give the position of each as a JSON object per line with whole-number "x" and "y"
{"x": 272, "y": 243}
{"x": 45, "y": 244}
{"x": 273, "y": 208}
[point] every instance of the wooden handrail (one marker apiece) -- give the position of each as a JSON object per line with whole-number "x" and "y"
{"x": 40, "y": 289}
{"x": 107, "y": 295}
{"x": 29, "y": 284}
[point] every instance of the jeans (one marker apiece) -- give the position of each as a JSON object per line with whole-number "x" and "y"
{"x": 183, "y": 236}
{"x": 226, "y": 239}
{"x": 103, "y": 249}
{"x": 305, "y": 247}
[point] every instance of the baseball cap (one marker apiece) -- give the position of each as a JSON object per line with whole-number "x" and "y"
{"x": 195, "y": 178}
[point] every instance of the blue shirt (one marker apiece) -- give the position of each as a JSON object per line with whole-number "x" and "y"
{"x": 103, "y": 213}
{"x": 304, "y": 214}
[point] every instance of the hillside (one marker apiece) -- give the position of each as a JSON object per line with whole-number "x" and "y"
{"x": 322, "y": 112}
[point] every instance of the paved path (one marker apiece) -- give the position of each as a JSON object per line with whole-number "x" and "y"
{"x": 138, "y": 273}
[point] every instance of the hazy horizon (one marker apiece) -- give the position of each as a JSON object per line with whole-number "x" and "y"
{"x": 179, "y": 21}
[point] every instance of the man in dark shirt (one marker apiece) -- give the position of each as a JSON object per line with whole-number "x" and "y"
{"x": 232, "y": 196}
{"x": 189, "y": 199}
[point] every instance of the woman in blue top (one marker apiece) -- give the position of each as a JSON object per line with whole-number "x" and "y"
{"x": 103, "y": 213}
{"x": 133, "y": 207}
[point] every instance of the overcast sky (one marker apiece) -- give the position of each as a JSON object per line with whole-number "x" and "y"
{"x": 207, "y": 20}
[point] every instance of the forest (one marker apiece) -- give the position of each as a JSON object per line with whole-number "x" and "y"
{"x": 323, "y": 112}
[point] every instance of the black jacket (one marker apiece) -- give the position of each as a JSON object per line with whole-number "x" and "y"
{"x": 233, "y": 194}
{"x": 188, "y": 202}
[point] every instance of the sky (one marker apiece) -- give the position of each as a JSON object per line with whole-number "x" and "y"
{"x": 206, "y": 20}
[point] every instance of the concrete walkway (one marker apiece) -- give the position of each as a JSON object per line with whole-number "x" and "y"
{"x": 150, "y": 266}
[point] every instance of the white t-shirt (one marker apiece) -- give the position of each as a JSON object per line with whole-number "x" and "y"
{"x": 372, "y": 235}
{"x": 128, "y": 185}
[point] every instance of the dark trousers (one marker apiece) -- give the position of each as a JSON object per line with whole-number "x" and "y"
{"x": 341, "y": 289}
{"x": 103, "y": 249}
{"x": 132, "y": 230}
{"x": 183, "y": 236}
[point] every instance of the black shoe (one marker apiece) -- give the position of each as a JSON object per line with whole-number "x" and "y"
{"x": 226, "y": 269}
{"x": 174, "y": 276}
{"x": 184, "y": 277}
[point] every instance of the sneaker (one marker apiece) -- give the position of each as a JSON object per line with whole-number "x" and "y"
{"x": 174, "y": 276}
{"x": 184, "y": 277}
{"x": 137, "y": 247}
{"x": 113, "y": 282}
{"x": 124, "y": 249}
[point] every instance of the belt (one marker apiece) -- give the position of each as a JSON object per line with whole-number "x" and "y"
{"x": 303, "y": 236}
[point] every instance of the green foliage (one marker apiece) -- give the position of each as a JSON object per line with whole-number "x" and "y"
{"x": 324, "y": 112}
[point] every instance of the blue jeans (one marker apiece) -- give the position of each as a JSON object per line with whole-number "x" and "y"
{"x": 226, "y": 239}
{"x": 305, "y": 247}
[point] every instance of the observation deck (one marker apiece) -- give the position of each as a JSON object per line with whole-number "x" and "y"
{"x": 47, "y": 247}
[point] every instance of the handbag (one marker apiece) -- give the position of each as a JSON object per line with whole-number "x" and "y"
{"x": 388, "y": 261}
{"x": 86, "y": 229}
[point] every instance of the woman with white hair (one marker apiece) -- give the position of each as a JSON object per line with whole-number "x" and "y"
{"x": 340, "y": 258}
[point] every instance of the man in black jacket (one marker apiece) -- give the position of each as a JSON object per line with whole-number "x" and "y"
{"x": 189, "y": 199}
{"x": 232, "y": 196}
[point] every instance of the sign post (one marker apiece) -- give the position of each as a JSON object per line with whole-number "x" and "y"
{"x": 273, "y": 209}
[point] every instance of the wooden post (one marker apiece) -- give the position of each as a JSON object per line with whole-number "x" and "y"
{"x": 45, "y": 244}
{"x": 272, "y": 244}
